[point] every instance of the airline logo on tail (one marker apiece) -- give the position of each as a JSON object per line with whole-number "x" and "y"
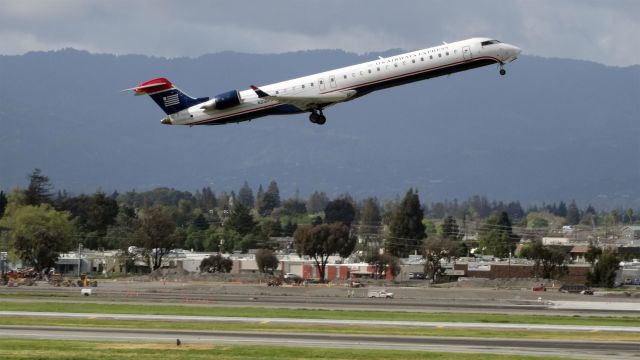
{"x": 171, "y": 100}
{"x": 167, "y": 96}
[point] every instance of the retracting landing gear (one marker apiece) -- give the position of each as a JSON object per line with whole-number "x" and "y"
{"x": 502, "y": 70}
{"x": 317, "y": 117}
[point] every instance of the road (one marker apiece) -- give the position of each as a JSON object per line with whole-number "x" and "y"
{"x": 407, "y": 299}
{"x": 576, "y": 349}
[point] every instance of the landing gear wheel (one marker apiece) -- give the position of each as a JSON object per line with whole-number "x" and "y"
{"x": 503, "y": 71}
{"x": 317, "y": 117}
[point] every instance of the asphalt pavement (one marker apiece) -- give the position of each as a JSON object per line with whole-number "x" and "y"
{"x": 567, "y": 349}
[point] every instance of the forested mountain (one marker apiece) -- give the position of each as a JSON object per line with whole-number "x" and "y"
{"x": 552, "y": 129}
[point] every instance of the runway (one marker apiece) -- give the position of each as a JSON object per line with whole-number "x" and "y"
{"x": 407, "y": 300}
{"x": 577, "y": 349}
{"x": 311, "y": 322}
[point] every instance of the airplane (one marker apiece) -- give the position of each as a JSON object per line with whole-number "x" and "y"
{"x": 314, "y": 93}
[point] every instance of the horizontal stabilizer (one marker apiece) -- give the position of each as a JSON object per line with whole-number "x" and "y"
{"x": 151, "y": 86}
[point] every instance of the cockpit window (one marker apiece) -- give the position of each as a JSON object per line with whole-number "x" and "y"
{"x": 489, "y": 42}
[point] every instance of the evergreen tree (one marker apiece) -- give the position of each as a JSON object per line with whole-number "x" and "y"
{"x": 370, "y": 213}
{"x": 271, "y": 228}
{"x": 450, "y": 229}
{"x": 293, "y": 207}
{"x": 213, "y": 218}
{"x": 562, "y": 210}
{"x": 406, "y": 229}
{"x": 573, "y": 214}
{"x": 3, "y": 203}
{"x": 241, "y": 220}
{"x": 276, "y": 228}
{"x": 289, "y": 228}
{"x": 245, "y": 196}
{"x": 122, "y": 230}
{"x": 270, "y": 199}
{"x": 223, "y": 201}
{"x": 339, "y": 210}
{"x": 259, "y": 199}
{"x": 39, "y": 189}
{"x": 92, "y": 215}
{"x": 317, "y": 202}
{"x": 496, "y": 236}
{"x": 208, "y": 200}
{"x": 200, "y": 222}
{"x": 514, "y": 209}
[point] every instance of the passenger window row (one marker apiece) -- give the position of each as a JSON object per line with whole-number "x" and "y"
{"x": 395, "y": 64}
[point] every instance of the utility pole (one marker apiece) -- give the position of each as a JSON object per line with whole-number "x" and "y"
{"x": 4, "y": 252}
{"x": 79, "y": 258}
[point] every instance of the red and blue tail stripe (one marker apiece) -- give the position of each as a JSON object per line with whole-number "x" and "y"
{"x": 167, "y": 96}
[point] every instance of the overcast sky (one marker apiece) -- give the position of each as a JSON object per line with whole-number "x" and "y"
{"x": 605, "y": 31}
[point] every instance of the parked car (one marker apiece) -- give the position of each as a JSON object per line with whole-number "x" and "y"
{"x": 575, "y": 289}
{"x": 417, "y": 276}
{"x": 292, "y": 278}
{"x": 539, "y": 288}
{"x": 356, "y": 284}
{"x": 379, "y": 294}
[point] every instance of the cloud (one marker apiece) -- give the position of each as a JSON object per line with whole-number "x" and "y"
{"x": 600, "y": 31}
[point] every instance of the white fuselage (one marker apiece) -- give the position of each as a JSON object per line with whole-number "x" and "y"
{"x": 343, "y": 84}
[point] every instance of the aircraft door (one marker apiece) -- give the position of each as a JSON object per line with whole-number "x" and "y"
{"x": 321, "y": 84}
{"x": 466, "y": 52}
{"x": 332, "y": 81}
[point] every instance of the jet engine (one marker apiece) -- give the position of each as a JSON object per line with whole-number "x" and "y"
{"x": 223, "y": 101}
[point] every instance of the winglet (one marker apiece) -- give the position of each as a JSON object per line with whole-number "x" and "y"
{"x": 259, "y": 92}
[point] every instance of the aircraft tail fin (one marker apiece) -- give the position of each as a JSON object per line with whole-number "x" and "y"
{"x": 167, "y": 96}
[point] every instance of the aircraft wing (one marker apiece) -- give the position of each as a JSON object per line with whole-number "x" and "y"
{"x": 303, "y": 102}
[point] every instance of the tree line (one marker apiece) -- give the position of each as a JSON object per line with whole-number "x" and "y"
{"x": 40, "y": 224}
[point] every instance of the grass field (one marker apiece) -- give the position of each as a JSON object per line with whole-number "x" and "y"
{"x": 54, "y": 350}
{"x": 315, "y": 313}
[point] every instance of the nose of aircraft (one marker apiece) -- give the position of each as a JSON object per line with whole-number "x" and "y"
{"x": 517, "y": 50}
{"x": 512, "y": 52}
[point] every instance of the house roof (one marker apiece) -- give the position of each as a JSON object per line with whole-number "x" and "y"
{"x": 579, "y": 249}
